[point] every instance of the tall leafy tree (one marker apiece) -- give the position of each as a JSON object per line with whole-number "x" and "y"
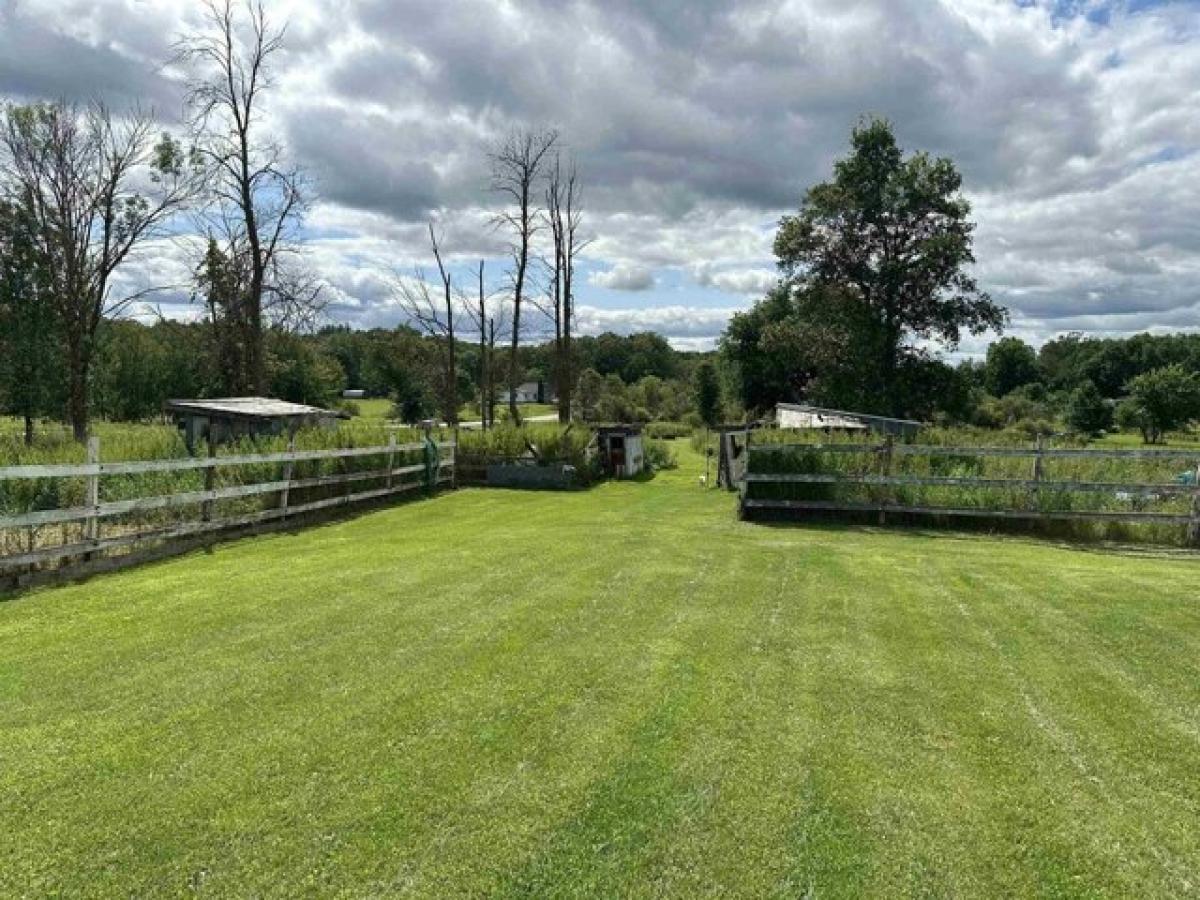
{"x": 894, "y": 236}
{"x": 98, "y": 188}
{"x": 589, "y": 392}
{"x": 1011, "y": 363}
{"x": 1087, "y": 412}
{"x": 1161, "y": 400}
{"x": 808, "y": 343}
{"x": 708, "y": 394}
{"x": 221, "y": 284}
{"x": 30, "y": 354}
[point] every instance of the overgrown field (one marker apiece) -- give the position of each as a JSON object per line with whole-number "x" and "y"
{"x": 121, "y": 442}
{"x": 618, "y": 692}
{"x": 791, "y": 452}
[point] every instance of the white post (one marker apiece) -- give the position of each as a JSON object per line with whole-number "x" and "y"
{"x": 91, "y": 525}
{"x": 391, "y": 459}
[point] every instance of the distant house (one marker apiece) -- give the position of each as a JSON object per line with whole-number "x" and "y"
{"x": 230, "y": 418}
{"x": 353, "y": 394}
{"x": 531, "y": 392}
{"x": 815, "y": 418}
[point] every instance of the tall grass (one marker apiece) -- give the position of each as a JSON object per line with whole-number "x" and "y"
{"x": 138, "y": 442}
{"x": 546, "y": 443}
{"x": 787, "y": 452}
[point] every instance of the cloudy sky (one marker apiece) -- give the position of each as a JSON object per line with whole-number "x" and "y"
{"x": 696, "y": 124}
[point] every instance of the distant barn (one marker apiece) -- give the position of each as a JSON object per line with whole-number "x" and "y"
{"x": 816, "y": 418}
{"x": 230, "y": 418}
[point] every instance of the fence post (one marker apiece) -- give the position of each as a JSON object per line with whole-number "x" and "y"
{"x": 288, "y": 470}
{"x": 432, "y": 462}
{"x": 1037, "y": 472}
{"x": 885, "y": 469}
{"x": 210, "y": 481}
{"x": 1193, "y": 534}
{"x": 92, "y": 524}
{"x": 391, "y": 459}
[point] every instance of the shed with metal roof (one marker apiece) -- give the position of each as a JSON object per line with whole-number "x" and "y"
{"x": 227, "y": 419}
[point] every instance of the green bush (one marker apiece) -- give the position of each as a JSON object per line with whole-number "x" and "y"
{"x": 546, "y": 442}
{"x": 1087, "y": 412}
{"x": 660, "y": 455}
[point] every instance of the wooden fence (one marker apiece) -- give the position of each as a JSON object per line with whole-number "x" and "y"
{"x": 88, "y": 521}
{"x": 883, "y": 457}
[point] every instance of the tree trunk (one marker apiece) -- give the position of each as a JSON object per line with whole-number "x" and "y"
{"x": 512, "y": 353}
{"x": 77, "y": 389}
{"x": 451, "y": 364}
{"x": 28, "y": 430}
{"x": 490, "y": 415}
{"x": 256, "y": 376}
{"x": 567, "y": 376}
{"x": 891, "y": 355}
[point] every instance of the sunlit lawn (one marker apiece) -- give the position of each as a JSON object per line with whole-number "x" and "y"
{"x": 378, "y": 409}
{"x": 620, "y": 692}
{"x": 1133, "y": 440}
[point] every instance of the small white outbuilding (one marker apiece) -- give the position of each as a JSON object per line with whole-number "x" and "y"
{"x": 621, "y": 451}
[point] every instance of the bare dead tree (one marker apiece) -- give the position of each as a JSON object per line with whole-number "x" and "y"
{"x": 477, "y": 312}
{"x": 435, "y": 316}
{"x": 565, "y": 218}
{"x": 99, "y": 189}
{"x": 499, "y": 328}
{"x": 517, "y": 165}
{"x": 490, "y": 314}
{"x": 257, "y": 199}
{"x": 294, "y": 297}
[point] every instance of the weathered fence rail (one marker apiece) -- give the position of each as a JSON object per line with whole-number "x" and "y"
{"x": 759, "y": 482}
{"x": 436, "y": 468}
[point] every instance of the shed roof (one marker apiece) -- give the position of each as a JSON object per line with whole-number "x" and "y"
{"x": 250, "y": 408}
{"x": 821, "y": 417}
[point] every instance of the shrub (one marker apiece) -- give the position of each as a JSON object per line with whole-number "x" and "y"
{"x": 1087, "y": 412}
{"x": 1030, "y": 428}
{"x": 551, "y": 442}
{"x": 1161, "y": 400}
{"x": 660, "y": 455}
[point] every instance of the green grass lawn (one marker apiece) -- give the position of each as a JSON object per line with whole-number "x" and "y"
{"x": 1127, "y": 440}
{"x": 611, "y": 693}
{"x": 379, "y": 409}
{"x": 374, "y": 409}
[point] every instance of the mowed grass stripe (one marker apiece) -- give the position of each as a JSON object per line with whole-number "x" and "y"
{"x": 623, "y": 692}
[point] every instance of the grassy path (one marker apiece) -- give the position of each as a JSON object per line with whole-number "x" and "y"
{"x": 623, "y": 692}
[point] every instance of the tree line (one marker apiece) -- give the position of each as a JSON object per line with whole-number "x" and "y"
{"x": 138, "y": 366}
